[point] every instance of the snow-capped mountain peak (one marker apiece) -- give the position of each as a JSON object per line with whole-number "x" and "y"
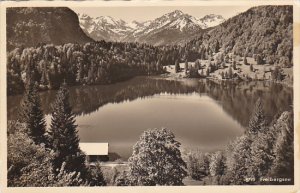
{"x": 135, "y": 24}
{"x": 111, "y": 29}
{"x": 175, "y": 13}
{"x": 212, "y": 20}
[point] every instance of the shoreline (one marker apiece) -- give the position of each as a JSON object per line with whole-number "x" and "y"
{"x": 178, "y": 76}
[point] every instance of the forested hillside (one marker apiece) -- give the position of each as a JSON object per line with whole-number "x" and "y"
{"x": 90, "y": 63}
{"x": 30, "y": 26}
{"x": 264, "y": 33}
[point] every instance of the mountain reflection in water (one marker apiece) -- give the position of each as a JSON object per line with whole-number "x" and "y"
{"x": 201, "y": 113}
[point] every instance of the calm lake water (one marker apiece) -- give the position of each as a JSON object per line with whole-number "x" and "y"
{"x": 202, "y": 114}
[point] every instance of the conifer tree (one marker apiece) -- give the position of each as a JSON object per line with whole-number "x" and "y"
{"x": 222, "y": 75}
{"x": 177, "y": 66}
{"x": 217, "y": 46}
{"x": 207, "y": 72}
{"x": 238, "y": 160}
{"x": 63, "y": 137}
{"x": 251, "y": 67}
{"x": 186, "y": 66}
{"x": 216, "y": 165}
{"x": 31, "y": 114}
{"x": 230, "y": 72}
{"x": 245, "y": 61}
{"x": 283, "y": 150}
{"x": 96, "y": 176}
{"x": 257, "y": 121}
{"x": 234, "y": 65}
{"x": 260, "y": 154}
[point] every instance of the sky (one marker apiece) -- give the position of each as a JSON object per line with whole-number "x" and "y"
{"x": 140, "y": 14}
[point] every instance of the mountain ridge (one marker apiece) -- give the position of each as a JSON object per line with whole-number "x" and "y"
{"x": 263, "y": 31}
{"x": 29, "y": 26}
{"x": 176, "y": 23}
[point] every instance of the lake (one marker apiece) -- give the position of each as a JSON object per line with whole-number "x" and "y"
{"x": 202, "y": 114}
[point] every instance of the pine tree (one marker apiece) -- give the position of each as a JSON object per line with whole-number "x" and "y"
{"x": 186, "y": 66}
{"x": 159, "y": 66}
{"x": 276, "y": 74}
{"x": 63, "y": 137}
{"x": 216, "y": 165}
{"x": 31, "y": 114}
{"x": 198, "y": 165}
{"x": 245, "y": 61}
{"x": 230, "y": 72}
{"x": 234, "y": 64}
{"x": 45, "y": 78}
{"x": 207, "y": 72}
{"x": 226, "y": 58}
{"x": 177, "y": 66}
{"x": 197, "y": 65}
{"x": 260, "y": 154}
{"x": 238, "y": 160}
{"x": 226, "y": 75}
{"x": 283, "y": 150}
{"x": 217, "y": 47}
{"x": 96, "y": 176}
{"x": 257, "y": 121}
{"x": 251, "y": 68}
{"x": 222, "y": 75}
{"x": 259, "y": 59}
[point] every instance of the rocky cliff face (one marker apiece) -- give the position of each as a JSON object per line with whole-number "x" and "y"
{"x": 31, "y": 26}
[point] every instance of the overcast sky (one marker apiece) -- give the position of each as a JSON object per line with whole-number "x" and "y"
{"x": 129, "y": 14}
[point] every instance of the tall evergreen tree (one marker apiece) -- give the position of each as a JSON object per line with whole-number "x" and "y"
{"x": 251, "y": 67}
{"x": 257, "y": 121}
{"x": 245, "y": 61}
{"x": 186, "y": 66}
{"x": 261, "y": 154}
{"x": 177, "y": 66}
{"x": 283, "y": 163}
{"x": 234, "y": 65}
{"x": 217, "y": 47}
{"x": 63, "y": 137}
{"x": 31, "y": 114}
{"x": 217, "y": 165}
{"x": 238, "y": 160}
{"x": 230, "y": 72}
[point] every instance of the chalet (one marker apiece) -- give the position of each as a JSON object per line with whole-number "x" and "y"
{"x": 95, "y": 151}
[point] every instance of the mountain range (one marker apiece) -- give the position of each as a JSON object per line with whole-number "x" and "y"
{"x": 263, "y": 30}
{"x": 172, "y": 28}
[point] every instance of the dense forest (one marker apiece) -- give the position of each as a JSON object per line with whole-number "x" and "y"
{"x": 264, "y": 33}
{"x": 264, "y": 154}
{"x": 92, "y": 63}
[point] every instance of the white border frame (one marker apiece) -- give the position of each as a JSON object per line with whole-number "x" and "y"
{"x": 111, "y": 189}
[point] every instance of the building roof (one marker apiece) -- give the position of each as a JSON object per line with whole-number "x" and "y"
{"x": 94, "y": 148}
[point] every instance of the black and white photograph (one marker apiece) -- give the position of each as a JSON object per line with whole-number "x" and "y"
{"x": 160, "y": 95}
